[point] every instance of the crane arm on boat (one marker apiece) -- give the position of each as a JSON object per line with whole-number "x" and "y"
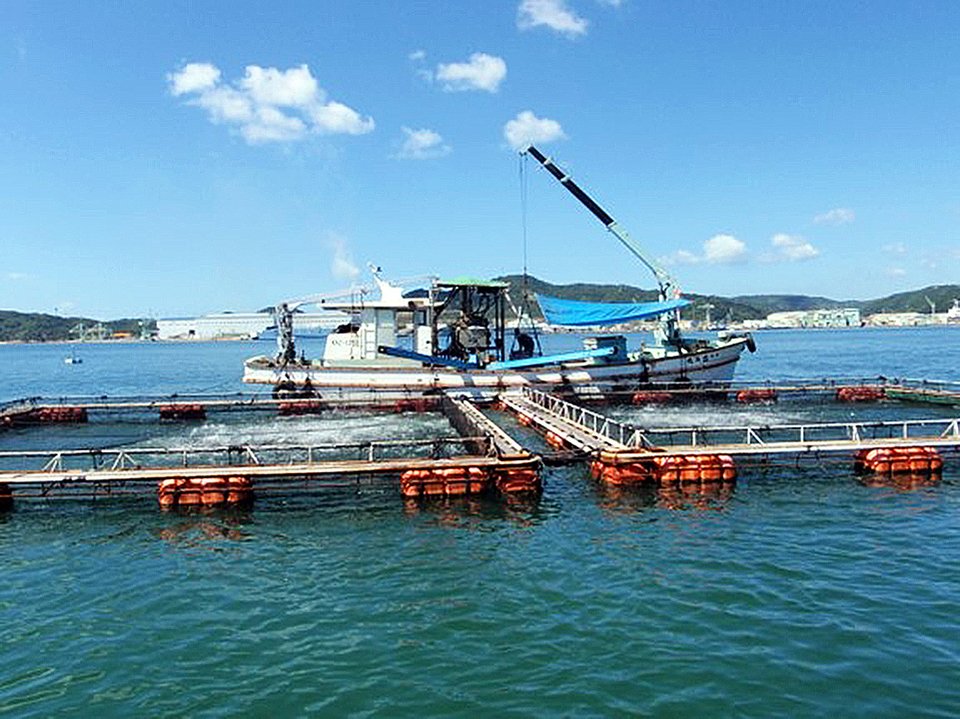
{"x": 669, "y": 288}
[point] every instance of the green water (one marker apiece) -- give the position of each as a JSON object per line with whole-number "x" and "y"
{"x": 800, "y": 593}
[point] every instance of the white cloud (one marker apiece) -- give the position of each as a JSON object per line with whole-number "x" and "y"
{"x": 480, "y": 72}
{"x": 553, "y": 14}
{"x": 342, "y": 265}
{"x": 267, "y": 104}
{"x": 417, "y": 55}
{"x": 295, "y": 87}
{"x": 17, "y": 276}
{"x": 724, "y": 250}
{"x": 422, "y": 144}
{"x": 836, "y": 216}
{"x": 194, "y": 77}
{"x": 271, "y": 125}
{"x": 896, "y": 272}
{"x": 226, "y": 104}
{"x": 334, "y": 118}
{"x": 718, "y": 250}
{"x": 895, "y": 248}
{"x": 527, "y": 129}
{"x": 681, "y": 257}
{"x": 793, "y": 248}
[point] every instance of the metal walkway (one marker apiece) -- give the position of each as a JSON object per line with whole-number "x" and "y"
{"x": 580, "y": 428}
{"x": 591, "y": 432}
{"x": 481, "y": 448}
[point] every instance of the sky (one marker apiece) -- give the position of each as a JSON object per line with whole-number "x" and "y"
{"x": 174, "y": 158}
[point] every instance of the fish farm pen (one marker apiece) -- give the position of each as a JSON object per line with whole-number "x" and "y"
{"x": 493, "y": 449}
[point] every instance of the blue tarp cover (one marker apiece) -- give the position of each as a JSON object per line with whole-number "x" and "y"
{"x": 573, "y": 312}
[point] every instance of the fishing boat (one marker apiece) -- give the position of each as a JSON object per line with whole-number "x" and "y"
{"x": 459, "y": 338}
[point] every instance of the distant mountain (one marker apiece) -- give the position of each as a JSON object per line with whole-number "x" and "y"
{"x": 741, "y": 307}
{"x": 34, "y": 327}
{"x": 941, "y": 295}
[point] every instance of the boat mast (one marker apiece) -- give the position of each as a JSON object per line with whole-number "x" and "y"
{"x": 669, "y": 288}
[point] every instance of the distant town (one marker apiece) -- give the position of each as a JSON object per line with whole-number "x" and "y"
{"x": 851, "y": 317}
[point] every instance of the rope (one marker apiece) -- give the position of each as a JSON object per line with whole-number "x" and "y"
{"x": 523, "y": 215}
{"x": 525, "y": 284}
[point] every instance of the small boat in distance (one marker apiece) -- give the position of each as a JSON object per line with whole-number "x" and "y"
{"x": 72, "y": 358}
{"x": 458, "y": 339}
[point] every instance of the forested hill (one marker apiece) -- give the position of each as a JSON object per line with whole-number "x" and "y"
{"x": 741, "y": 307}
{"x": 34, "y": 327}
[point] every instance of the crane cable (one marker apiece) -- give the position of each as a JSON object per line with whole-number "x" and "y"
{"x": 523, "y": 212}
{"x": 525, "y": 285}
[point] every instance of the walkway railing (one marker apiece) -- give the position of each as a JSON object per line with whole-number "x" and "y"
{"x": 945, "y": 431}
{"x": 597, "y": 423}
{"x": 237, "y": 455}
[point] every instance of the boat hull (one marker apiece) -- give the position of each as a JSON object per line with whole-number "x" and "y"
{"x": 714, "y": 365}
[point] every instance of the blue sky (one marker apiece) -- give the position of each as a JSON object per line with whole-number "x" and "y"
{"x": 174, "y": 158}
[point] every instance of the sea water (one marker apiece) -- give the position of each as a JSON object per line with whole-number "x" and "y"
{"x": 800, "y": 593}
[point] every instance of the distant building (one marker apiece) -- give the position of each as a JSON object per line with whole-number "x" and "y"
{"x": 904, "y": 319}
{"x": 242, "y": 325}
{"x": 842, "y": 317}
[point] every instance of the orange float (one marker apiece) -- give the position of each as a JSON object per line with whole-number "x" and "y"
{"x": 183, "y": 411}
{"x": 755, "y": 396}
{"x": 213, "y": 491}
{"x": 207, "y": 492}
{"x": 168, "y": 492}
{"x": 860, "y": 394}
{"x": 413, "y": 404}
{"x": 696, "y": 468}
{"x": 666, "y": 469}
{"x": 518, "y": 480}
{"x": 650, "y": 397}
{"x": 439, "y": 482}
{"x": 555, "y": 440}
{"x": 54, "y": 415}
{"x": 923, "y": 461}
{"x": 239, "y": 490}
{"x": 301, "y": 407}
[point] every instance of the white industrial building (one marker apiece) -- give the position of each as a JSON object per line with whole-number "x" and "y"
{"x": 841, "y": 317}
{"x": 242, "y": 325}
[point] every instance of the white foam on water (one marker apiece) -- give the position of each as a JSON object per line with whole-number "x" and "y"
{"x": 333, "y": 428}
{"x": 708, "y": 415}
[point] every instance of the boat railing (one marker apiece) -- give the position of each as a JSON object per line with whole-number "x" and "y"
{"x": 920, "y": 430}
